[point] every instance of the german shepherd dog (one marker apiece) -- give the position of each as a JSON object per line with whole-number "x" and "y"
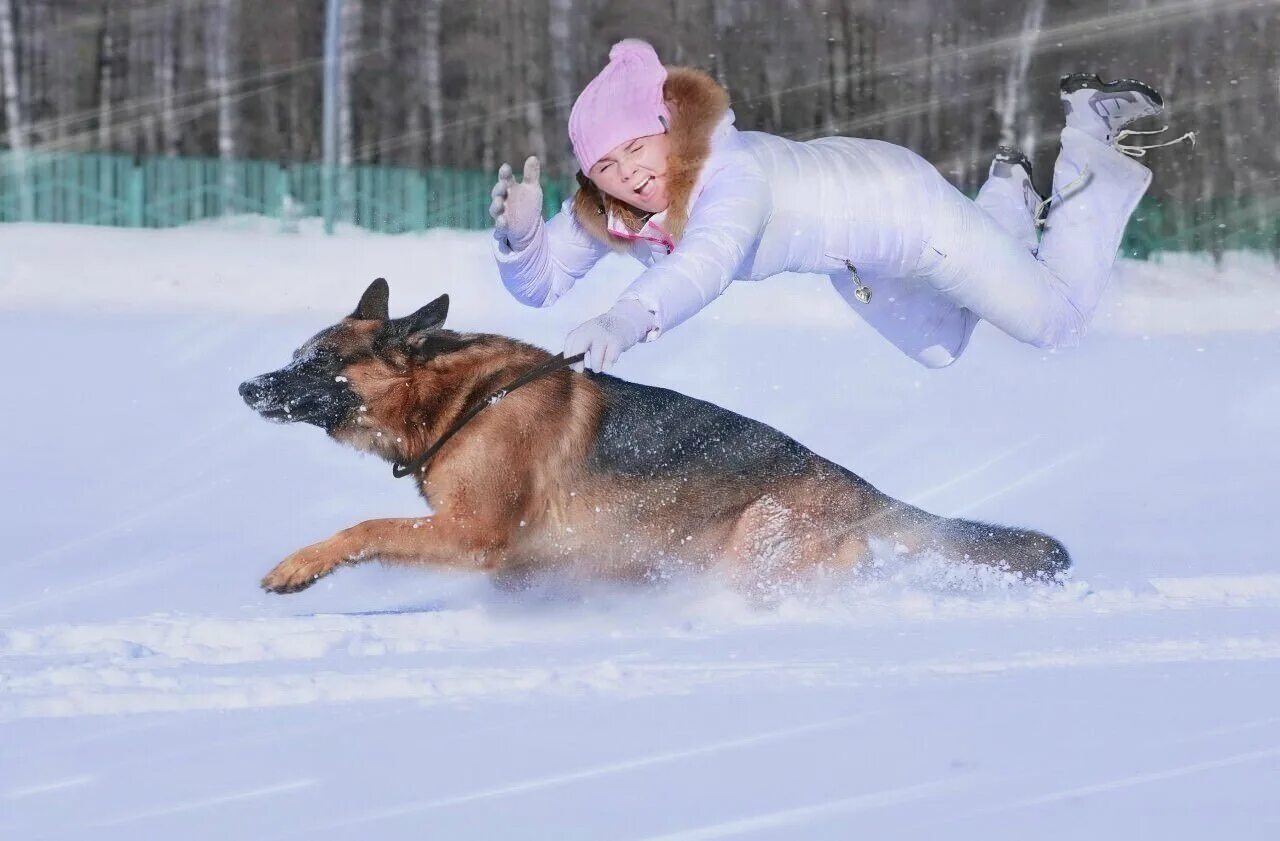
{"x": 584, "y": 474}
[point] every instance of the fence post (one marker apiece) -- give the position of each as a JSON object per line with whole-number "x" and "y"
{"x": 416, "y": 218}
{"x": 286, "y": 208}
{"x": 135, "y": 203}
{"x": 275, "y": 190}
{"x": 552, "y": 198}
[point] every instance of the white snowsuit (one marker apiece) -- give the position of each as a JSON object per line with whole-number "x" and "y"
{"x": 935, "y": 260}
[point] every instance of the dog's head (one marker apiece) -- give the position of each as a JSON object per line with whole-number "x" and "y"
{"x": 349, "y": 379}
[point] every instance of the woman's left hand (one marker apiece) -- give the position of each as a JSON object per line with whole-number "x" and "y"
{"x": 606, "y": 337}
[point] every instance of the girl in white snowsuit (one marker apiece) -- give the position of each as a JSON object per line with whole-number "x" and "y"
{"x": 918, "y": 260}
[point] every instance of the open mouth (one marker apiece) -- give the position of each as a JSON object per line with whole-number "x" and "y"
{"x": 276, "y": 414}
{"x": 646, "y": 187}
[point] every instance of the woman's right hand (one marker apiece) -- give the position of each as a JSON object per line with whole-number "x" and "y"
{"x": 517, "y": 207}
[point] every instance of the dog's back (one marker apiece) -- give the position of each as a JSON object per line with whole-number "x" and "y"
{"x": 651, "y": 433}
{"x": 647, "y": 431}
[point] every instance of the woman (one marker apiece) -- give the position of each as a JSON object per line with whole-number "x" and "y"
{"x": 666, "y": 177}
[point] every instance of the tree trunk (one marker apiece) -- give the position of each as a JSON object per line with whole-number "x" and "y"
{"x": 387, "y": 108}
{"x": 352, "y": 44}
{"x": 14, "y": 118}
{"x": 106, "y": 78}
{"x": 167, "y": 69}
{"x": 431, "y": 78}
{"x": 532, "y": 87}
{"x": 219, "y": 58}
{"x": 837, "y": 66}
{"x": 560, "y": 35}
{"x": 34, "y": 71}
{"x": 722, "y": 19}
{"x": 1015, "y": 79}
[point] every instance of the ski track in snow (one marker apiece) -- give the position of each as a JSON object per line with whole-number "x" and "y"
{"x": 169, "y": 664}
{"x": 213, "y": 640}
{"x": 807, "y": 814}
{"x": 107, "y": 690}
{"x": 592, "y": 772}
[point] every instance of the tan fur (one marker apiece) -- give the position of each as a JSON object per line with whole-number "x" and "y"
{"x": 697, "y": 102}
{"x": 516, "y": 491}
{"x": 513, "y": 492}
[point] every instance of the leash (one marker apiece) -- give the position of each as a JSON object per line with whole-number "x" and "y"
{"x": 538, "y": 371}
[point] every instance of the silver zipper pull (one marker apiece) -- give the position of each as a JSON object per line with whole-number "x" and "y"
{"x": 861, "y": 291}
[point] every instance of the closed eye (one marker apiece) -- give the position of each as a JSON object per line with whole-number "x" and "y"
{"x": 316, "y": 355}
{"x": 325, "y": 356}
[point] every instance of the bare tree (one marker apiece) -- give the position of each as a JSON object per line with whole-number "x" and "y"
{"x": 529, "y": 94}
{"x": 432, "y": 79}
{"x": 353, "y": 44}
{"x": 14, "y": 117}
{"x": 167, "y": 69}
{"x": 220, "y": 26}
{"x": 722, "y": 20}
{"x": 106, "y": 76}
{"x": 560, "y": 36}
{"x": 837, "y": 64}
{"x": 1009, "y": 101}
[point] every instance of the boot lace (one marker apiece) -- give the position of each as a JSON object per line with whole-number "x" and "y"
{"x": 1135, "y": 151}
{"x": 1132, "y": 150}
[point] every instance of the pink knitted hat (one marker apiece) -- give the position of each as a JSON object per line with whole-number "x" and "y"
{"x": 623, "y": 102}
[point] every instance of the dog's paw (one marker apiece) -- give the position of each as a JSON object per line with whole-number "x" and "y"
{"x": 298, "y": 572}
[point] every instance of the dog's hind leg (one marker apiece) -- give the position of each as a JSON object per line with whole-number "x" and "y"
{"x": 410, "y": 540}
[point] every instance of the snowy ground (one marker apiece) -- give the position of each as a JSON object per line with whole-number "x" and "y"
{"x": 149, "y": 690}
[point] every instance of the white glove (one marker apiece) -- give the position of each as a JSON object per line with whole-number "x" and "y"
{"x": 517, "y": 208}
{"x": 605, "y": 337}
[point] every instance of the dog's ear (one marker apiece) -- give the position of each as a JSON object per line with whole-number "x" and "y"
{"x": 431, "y": 317}
{"x": 374, "y": 302}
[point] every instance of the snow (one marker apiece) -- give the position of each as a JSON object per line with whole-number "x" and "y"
{"x": 149, "y": 689}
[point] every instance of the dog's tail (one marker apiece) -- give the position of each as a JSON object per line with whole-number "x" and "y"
{"x": 1028, "y": 553}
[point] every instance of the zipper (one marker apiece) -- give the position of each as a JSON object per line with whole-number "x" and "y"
{"x": 860, "y": 290}
{"x": 665, "y": 240}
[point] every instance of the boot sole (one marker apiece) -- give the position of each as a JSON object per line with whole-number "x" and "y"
{"x": 1009, "y": 155}
{"x": 1013, "y": 157}
{"x": 1091, "y": 81}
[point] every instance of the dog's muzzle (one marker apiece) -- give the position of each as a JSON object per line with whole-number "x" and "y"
{"x": 259, "y": 394}
{"x": 294, "y": 397}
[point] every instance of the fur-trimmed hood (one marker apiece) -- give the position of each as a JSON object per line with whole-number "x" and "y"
{"x": 698, "y": 103}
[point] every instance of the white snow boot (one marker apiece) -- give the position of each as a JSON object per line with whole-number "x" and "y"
{"x": 1105, "y": 110}
{"x": 1010, "y": 197}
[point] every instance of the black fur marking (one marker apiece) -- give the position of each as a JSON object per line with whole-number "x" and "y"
{"x": 310, "y": 389}
{"x": 429, "y": 317}
{"x": 650, "y": 432}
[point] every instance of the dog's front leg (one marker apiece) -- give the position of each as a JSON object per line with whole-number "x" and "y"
{"x": 425, "y": 540}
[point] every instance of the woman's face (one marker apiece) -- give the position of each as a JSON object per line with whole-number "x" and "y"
{"x": 636, "y": 172}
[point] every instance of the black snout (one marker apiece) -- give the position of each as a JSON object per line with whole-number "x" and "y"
{"x": 262, "y": 394}
{"x": 252, "y": 391}
{"x": 299, "y": 394}
{"x": 257, "y": 391}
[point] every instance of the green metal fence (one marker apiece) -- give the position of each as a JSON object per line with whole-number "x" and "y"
{"x": 91, "y": 189}
{"x": 1215, "y": 227}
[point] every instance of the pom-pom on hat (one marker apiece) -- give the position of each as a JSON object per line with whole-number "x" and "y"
{"x": 623, "y": 102}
